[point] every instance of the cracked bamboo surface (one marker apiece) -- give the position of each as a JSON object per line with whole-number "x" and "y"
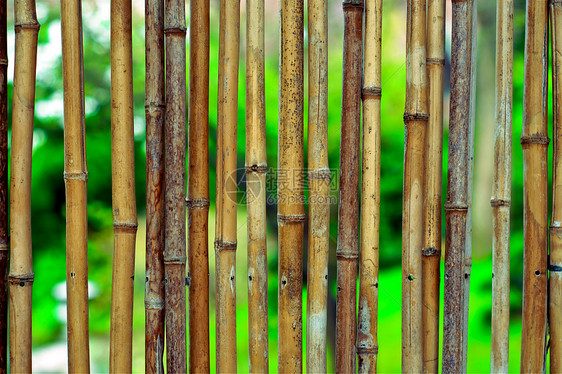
{"x": 290, "y": 213}
{"x": 415, "y": 120}
{"x": 198, "y": 188}
{"x": 256, "y": 169}
{"x": 226, "y": 230}
{"x": 75, "y": 177}
{"x": 534, "y": 141}
{"x": 431, "y": 253}
{"x": 154, "y": 110}
{"x": 367, "y": 343}
{"x": 501, "y": 187}
{"x": 21, "y": 266}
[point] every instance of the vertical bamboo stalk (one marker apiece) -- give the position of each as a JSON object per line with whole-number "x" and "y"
{"x": 174, "y": 197}
{"x": 367, "y": 344}
{"x": 415, "y": 120}
{"x": 501, "y": 187}
{"x": 290, "y": 189}
{"x": 75, "y": 176}
{"x": 198, "y": 188}
{"x": 458, "y": 189}
{"x": 21, "y": 267}
{"x": 431, "y": 253}
{"x": 534, "y": 141}
{"x": 154, "y": 110}
{"x": 256, "y": 168}
{"x": 226, "y": 230}
{"x": 122, "y": 187}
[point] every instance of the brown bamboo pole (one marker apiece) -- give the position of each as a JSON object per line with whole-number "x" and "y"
{"x": 367, "y": 343}
{"x": 226, "y": 230}
{"x": 21, "y": 267}
{"x": 534, "y": 140}
{"x": 415, "y": 120}
{"x": 290, "y": 189}
{"x": 256, "y": 168}
{"x": 75, "y": 177}
{"x": 431, "y": 253}
{"x": 123, "y": 188}
{"x": 501, "y": 187}
{"x": 154, "y": 110}
{"x": 198, "y": 188}
{"x": 458, "y": 189}
{"x": 174, "y": 196}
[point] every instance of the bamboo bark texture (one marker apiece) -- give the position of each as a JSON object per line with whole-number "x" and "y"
{"x": 198, "y": 188}
{"x": 415, "y": 120}
{"x": 256, "y": 169}
{"x": 534, "y": 140}
{"x": 290, "y": 187}
{"x": 21, "y": 267}
{"x": 75, "y": 177}
{"x": 154, "y": 110}
{"x": 459, "y": 177}
{"x": 226, "y": 230}
{"x": 367, "y": 343}
{"x": 123, "y": 188}
{"x": 501, "y": 187}
{"x": 431, "y": 252}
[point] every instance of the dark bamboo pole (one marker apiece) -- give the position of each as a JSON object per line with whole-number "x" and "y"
{"x": 226, "y": 230}
{"x": 290, "y": 214}
{"x": 21, "y": 266}
{"x": 75, "y": 177}
{"x": 367, "y": 343}
{"x": 534, "y": 140}
{"x": 198, "y": 188}
{"x": 415, "y": 120}
{"x": 458, "y": 190}
{"x": 154, "y": 110}
{"x": 174, "y": 197}
{"x": 501, "y": 187}
{"x": 123, "y": 188}
{"x": 431, "y": 253}
{"x": 256, "y": 168}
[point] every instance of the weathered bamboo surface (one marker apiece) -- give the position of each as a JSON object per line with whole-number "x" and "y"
{"x": 155, "y": 111}
{"x": 75, "y": 177}
{"x": 367, "y": 343}
{"x": 256, "y": 169}
{"x": 290, "y": 214}
{"x": 501, "y": 187}
{"x": 534, "y": 140}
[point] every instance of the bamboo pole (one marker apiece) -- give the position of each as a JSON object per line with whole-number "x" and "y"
{"x": 174, "y": 197}
{"x": 198, "y": 188}
{"x": 501, "y": 187}
{"x": 154, "y": 110}
{"x": 75, "y": 176}
{"x": 256, "y": 168}
{"x": 290, "y": 189}
{"x": 431, "y": 253}
{"x": 226, "y": 230}
{"x": 415, "y": 120}
{"x": 21, "y": 267}
{"x": 123, "y": 188}
{"x": 458, "y": 190}
{"x": 534, "y": 141}
{"x": 367, "y": 344}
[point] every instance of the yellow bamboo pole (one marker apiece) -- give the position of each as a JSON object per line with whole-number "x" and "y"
{"x": 75, "y": 176}
{"x": 21, "y": 267}
{"x": 256, "y": 168}
{"x": 122, "y": 187}
{"x": 367, "y": 344}
{"x": 501, "y": 187}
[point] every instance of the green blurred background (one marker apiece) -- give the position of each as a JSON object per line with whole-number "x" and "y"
{"x": 48, "y": 205}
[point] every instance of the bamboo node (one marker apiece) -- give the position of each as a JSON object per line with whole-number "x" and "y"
{"x": 367, "y": 349}
{"x": 154, "y": 304}
{"x": 21, "y": 279}
{"x": 435, "y": 61}
{"x": 347, "y": 253}
{"x": 154, "y": 107}
{"x": 4, "y": 61}
{"x": 174, "y": 260}
{"x": 257, "y": 169}
{"x": 224, "y": 245}
{"x": 4, "y": 246}
{"x": 77, "y": 176}
{"x": 456, "y": 207}
{"x": 416, "y": 117}
{"x": 288, "y": 218}
{"x": 196, "y": 203}
{"x": 323, "y": 174}
{"x": 352, "y": 5}
{"x": 555, "y": 229}
{"x": 556, "y": 3}
{"x": 495, "y": 202}
{"x": 431, "y": 251}
{"x": 534, "y": 139}
{"x": 554, "y": 268}
{"x": 371, "y": 92}
{"x": 175, "y": 30}
{"x": 125, "y": 227}
{"x": 29, "y": 26}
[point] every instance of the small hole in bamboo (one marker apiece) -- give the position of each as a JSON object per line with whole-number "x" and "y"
{"x": 232, "y": 277}
{"x": 22, "y": 284}
{"x": 250, "y": 278}
{"x": 465, "y": 276}
{"x": 410, "y": 277}
{"x": 537, "y": 273}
